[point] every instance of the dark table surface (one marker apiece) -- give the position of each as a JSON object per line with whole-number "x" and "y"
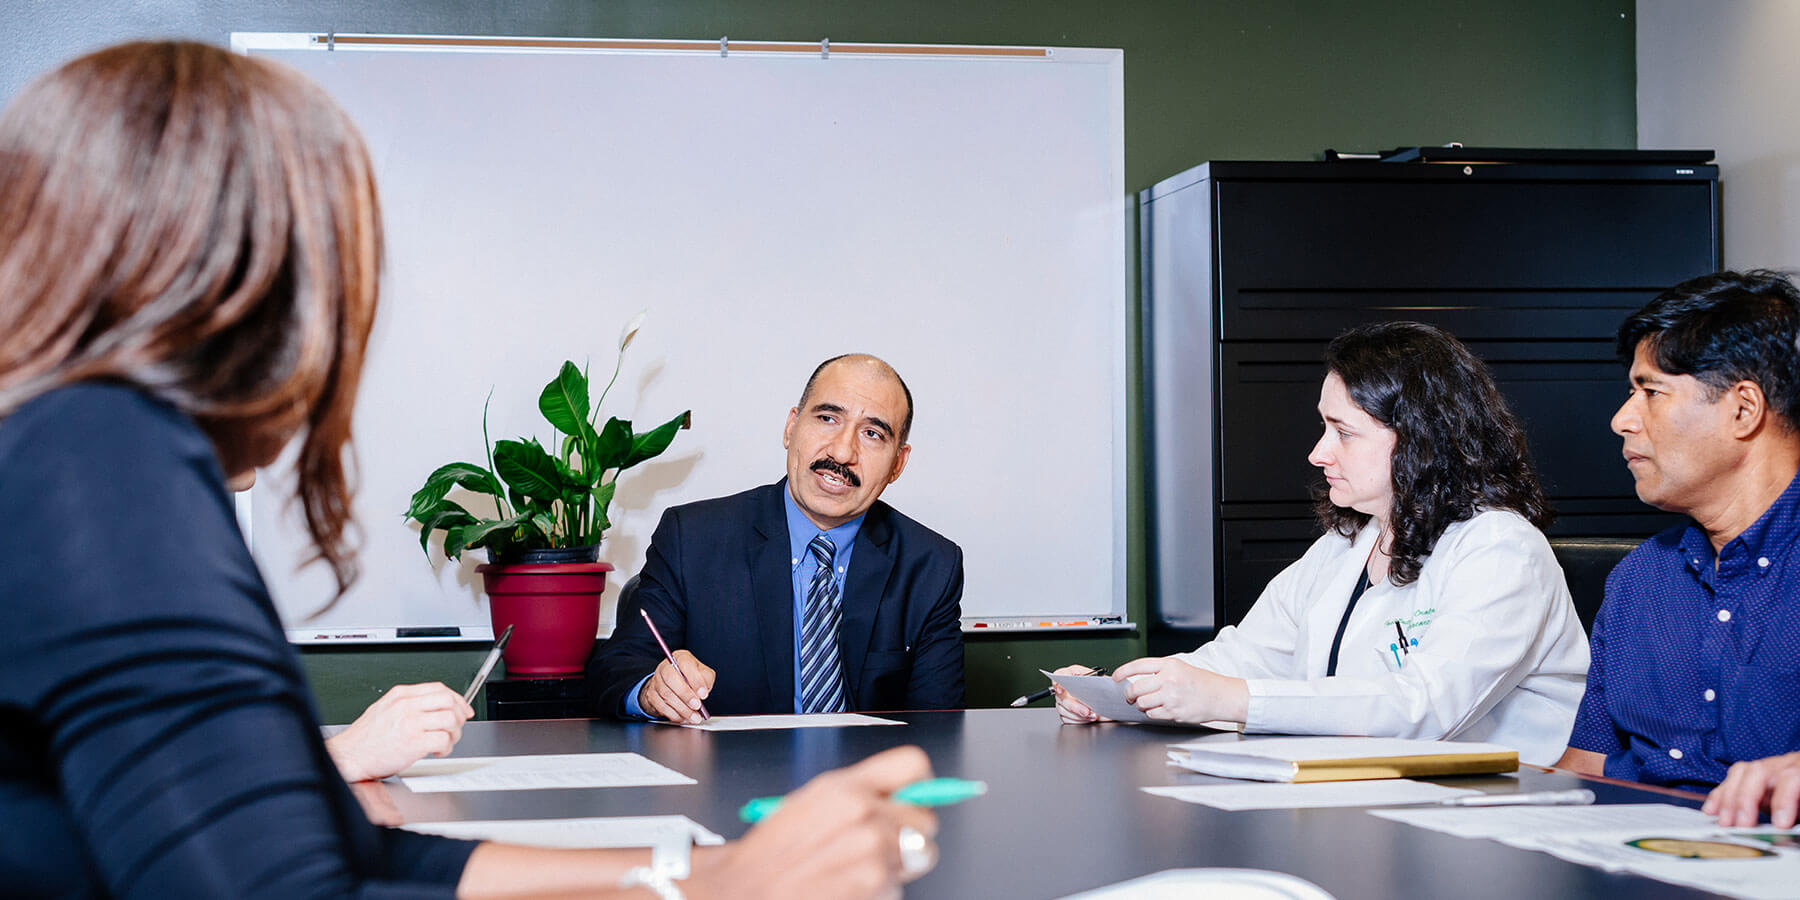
{"x": 1063, "y": 812}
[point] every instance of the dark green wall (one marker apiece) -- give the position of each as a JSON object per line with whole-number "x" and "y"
{"x": 1270, "y": 79}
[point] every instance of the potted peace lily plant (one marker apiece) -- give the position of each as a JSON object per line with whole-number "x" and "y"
{"x": 549, "y": 505}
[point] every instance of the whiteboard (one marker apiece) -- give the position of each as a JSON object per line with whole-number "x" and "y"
{"x": 961, "y": 216}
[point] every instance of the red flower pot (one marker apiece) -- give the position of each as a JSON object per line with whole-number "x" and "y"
{"x": 554, "y": 610}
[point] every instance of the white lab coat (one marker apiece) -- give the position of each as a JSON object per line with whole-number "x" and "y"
{"x": 1500, "y": 655}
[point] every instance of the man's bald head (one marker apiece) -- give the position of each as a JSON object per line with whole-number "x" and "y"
{"x": 875, "y": 363}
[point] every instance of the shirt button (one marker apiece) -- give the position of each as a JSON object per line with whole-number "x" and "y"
{"x": 1709, "y": 695}
{"x": 1674, "y": 752}
{"x": 1724, "y": 615}
{"x": 1762, "y": 561}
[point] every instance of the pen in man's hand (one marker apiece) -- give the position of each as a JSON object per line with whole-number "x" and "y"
{"x": 671, "y": 658}
{"x": 1035, "y": 696}
{"x": 487, "y": 665}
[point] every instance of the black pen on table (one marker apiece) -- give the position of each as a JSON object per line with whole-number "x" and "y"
{"x": 1035, "y": 696}
{"x": 487, "y": 665}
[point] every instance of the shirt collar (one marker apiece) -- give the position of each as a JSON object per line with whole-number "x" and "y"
{"x": 801, "y": 530}
{"x": 1766, "y": 538}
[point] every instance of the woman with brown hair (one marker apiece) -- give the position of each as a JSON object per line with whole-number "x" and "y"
{"x": 189, "y": 253}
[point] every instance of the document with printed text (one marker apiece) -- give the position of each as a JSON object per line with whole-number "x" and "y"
{"x": 811, "y": 720}
{"x": 588, "y": 833}
{"x": 527, "y": 773}
{"x": 1669, "y": 843}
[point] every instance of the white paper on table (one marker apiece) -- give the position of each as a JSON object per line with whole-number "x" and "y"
{"x": 809, "y": 720}
{"x": 1758, "y": 878}
{"x": 526, "y": 773}
{"x": 1503, "y": 823}
{"x": 1313, "y": 795}
{"x": 1106, "y": 697}
{"x": 1214, "y": 884}
{"x": 587, "y": 833}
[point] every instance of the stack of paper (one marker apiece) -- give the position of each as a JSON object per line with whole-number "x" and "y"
{"x": 1342, "y": 758}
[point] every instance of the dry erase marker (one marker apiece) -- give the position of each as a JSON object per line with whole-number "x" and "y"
{"x": 487, "y": 665}
{"x": 930, "y": 792}
{"x": 671, "y": 658}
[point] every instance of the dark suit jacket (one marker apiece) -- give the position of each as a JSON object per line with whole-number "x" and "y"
{"x": 718, "y": 581}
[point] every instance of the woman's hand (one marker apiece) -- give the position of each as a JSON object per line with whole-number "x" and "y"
{"x": 837, "y": 836}
{"x": 1171, "y": 690}
{"x": 1073, "y": 711}
{"x": 408, "y": 723}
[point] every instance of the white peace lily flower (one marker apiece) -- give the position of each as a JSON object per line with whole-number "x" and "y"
{"x": 631, "y": 329}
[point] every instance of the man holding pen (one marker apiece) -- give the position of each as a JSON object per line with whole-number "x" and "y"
{"x": 807, "y": 595}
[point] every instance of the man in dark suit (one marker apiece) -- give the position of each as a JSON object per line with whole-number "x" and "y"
{"x": 807, "y": 595}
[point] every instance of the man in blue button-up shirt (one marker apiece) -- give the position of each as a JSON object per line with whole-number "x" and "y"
{"x": 1695, "y": 678}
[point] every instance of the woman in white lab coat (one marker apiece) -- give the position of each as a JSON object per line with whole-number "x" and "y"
{"x": 1431, "y": 607}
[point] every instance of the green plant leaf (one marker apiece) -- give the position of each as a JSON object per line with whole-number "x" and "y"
{"x": 564, "y": 401}
{"x": 611, "y": 448}
{"x": 445, "y": 515}
{"x": 496, "y": 534}
{"x": 529, "y": 469}
{"x": 439, "y": 483}
{"x": 655, "y": 441}
{"x": 545, "y": 525}
{"x": 603, "y": 495}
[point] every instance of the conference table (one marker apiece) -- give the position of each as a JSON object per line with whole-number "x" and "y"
{"x": 1064, "y": 811}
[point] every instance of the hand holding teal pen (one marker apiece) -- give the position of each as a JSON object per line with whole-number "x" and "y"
{"x": 930, "y": 792}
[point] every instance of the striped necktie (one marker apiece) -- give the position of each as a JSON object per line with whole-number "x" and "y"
{"x": 821, "y": 672}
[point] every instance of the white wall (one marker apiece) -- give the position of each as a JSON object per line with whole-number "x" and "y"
{"x": 1725, "y": 74}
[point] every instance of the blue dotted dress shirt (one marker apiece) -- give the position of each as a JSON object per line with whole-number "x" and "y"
{"x": 1697, "y": 666}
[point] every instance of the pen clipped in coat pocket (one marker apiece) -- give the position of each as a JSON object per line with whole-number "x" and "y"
{"x": 1393, "y": 655}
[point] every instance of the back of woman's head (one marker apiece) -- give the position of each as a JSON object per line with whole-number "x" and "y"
{"x": 201, "y": 225}
{"x": 1458, "y": 449}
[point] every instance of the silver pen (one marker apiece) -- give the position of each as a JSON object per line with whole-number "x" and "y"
{"x": 487, "y": 665}
{"x": 1576, "y": 797}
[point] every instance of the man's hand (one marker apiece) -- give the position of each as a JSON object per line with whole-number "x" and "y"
{"x": 838, "y": 836}
{"x": 667, "y": 696}
{"x": 408, "y": 723}
{"x": 1171, "y": 690}
{"x": 1073, "y": 711}
{"x": 1772, "y": 782}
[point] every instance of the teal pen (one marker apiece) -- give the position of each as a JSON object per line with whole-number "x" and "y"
{"x": 930, "y": 792}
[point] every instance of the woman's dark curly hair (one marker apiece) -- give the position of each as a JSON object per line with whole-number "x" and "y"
{"x": 1458, "y": 449}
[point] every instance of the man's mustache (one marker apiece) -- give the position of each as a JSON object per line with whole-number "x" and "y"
{"x": 827, "y": 464}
